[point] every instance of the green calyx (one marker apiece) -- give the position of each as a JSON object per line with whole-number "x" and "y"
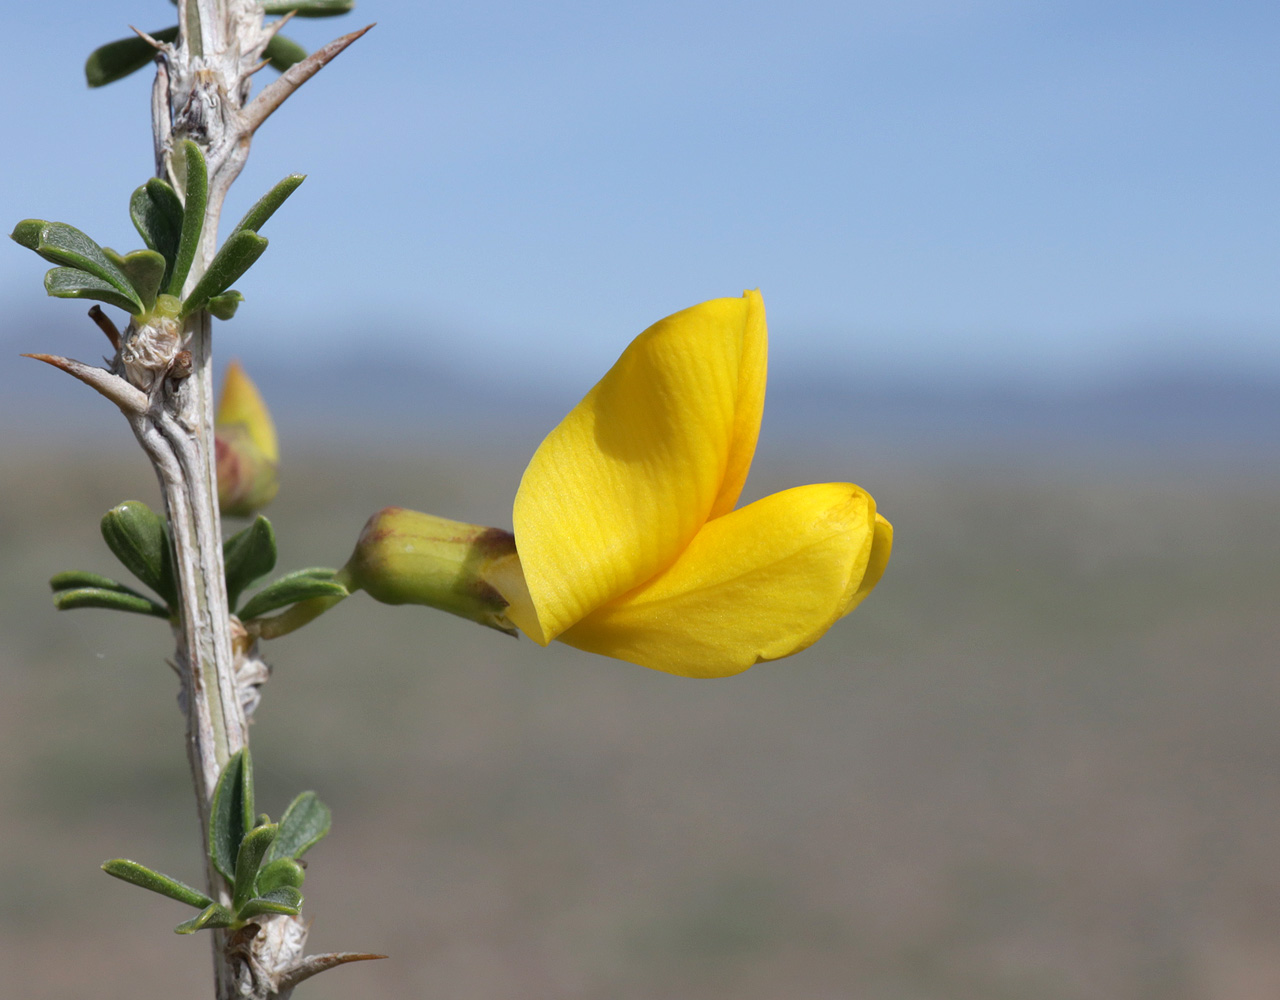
{"x": 408, "y": 557}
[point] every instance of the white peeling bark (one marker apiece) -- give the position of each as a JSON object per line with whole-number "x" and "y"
{"x": 200, "y": 93}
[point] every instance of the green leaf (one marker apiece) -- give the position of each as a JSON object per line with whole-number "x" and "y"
{"x": 59, "y": 243}
{"x": 233, "y": 258}
{"x": 231, "y": 815}
{"x": 73, "y": 283}
{"x": 27, "y": 233}
{"x": 286, "y": 900}
{"x": 145, "y": 270}
{"x": 213, "y": 915}
{"x": 248, "y": 555}
{"x": 303, "y": 825}
{"x": 111, "y": 600}
{"x": 156, "y": 211}
{"x": 283, "y": 52}
{"x": 224, "y": 306}
{"x": 137, "y": 536}
{"x": 139, "y": 875}
{"x": 253, "y": 848}
{"x": 116, "y": 60}
{"x": 281, "y": 872}
{"x": 298, "y": 586}
{"x": 308, "y": 8}
{"x": 74, "y": 578}
{"x": 193, "y": 206}
{"x": 265, "y": 207}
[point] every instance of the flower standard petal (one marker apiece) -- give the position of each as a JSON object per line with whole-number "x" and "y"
{"x": 620, "y": 487}
{"x": 757, "y": 584}
{"x": 749, "y": 407}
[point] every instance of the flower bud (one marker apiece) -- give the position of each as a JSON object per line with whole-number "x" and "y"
{"x": 407, "y": 557}
{"x": 247, "y": 450}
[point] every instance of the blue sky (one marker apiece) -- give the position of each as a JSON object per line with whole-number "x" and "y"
{"x": 1049, "y": 190}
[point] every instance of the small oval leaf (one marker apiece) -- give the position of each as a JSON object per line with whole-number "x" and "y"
{"x": 137, "y": 536}
{"x": 193, "y": 206}
{"x": 303, "y": 825}
{"x": 231, "y": 814}
{"x": 266, "y": 206}
{"x": 156, "y": 211}
{"x": 253, "y": 849}
{"x": 110, "y": 600}
{"x": 140, "y": 875}
{"x": 224, "y": 306}
{"x": 280, "y": 872}
{"x": 145, "y": 270}
{"x": 248, "y": 555}
{"x": 298, "y": 586}
{"x": 73, "y": 283}
{"x": 286, "y": 899}
{"x": 231, "y": 261}
{"x": 73, "y": 578}
{"x": 308, "y": 8}
{"x": 62, "y": 244}
{"x": 213, "y": 915}
{"x": 283, "y": 52}
{"x": 116, "y": 60}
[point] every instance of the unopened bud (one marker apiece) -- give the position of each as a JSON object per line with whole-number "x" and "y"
{"x": 248, "y": 453}
{"x": 407, "y": 557}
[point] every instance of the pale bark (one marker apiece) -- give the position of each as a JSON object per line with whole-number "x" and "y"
{"x": 162, "y": 381}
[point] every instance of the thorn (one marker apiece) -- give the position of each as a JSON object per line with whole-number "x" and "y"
{"x": 131, "y": 400}
{"x": 275, "y": 93}
{"x": 158, "y": 46}
{"x": 258, "y": 68}
{"x": 275, "y": 26}
{"x": 313, "y": 965}
{"x": 105, "y": 325}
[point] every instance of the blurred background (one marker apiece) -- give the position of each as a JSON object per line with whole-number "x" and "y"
{"x": 1019, "y": 261}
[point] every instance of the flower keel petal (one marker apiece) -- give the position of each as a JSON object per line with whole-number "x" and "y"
{"x": 757, "y": 584}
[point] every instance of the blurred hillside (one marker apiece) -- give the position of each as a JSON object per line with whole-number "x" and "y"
{"x": 1041, "y": 761}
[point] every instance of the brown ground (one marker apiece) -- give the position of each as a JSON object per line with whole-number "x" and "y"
{"x": 1042, "y": 762}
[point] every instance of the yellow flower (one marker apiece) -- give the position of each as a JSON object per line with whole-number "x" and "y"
{"x": 627, "y": 538}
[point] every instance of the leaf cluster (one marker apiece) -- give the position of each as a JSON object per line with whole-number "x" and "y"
{"x": 260, "y": 860}
{"x": 149, "y": 281}
{"x": 139, "y": 538}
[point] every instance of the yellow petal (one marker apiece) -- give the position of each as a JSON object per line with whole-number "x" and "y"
{"x": 881, "y": 548}
{"x": 618, "y": 489}
{"x": 757, "y": 584}
{"x": 749, "y": 407}
{"x": 241, "y": 403}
